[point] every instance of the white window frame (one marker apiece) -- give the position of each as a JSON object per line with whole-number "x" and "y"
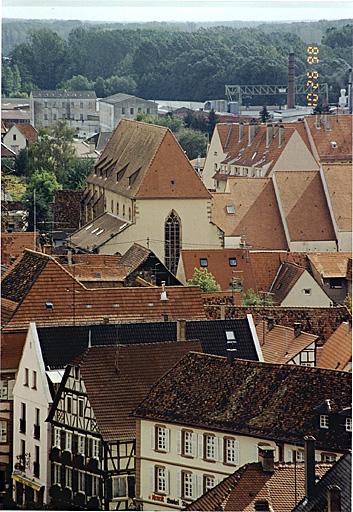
{"x": 231, "y": 449}
{"x": 188, "y": 485}
{"x": 57, "y": 474}
{"x": 160, "y": 480}
{"x": 3, "y": 431}
{"x": 81, "y": 444}
{"x": 68, "y": 477}
{"x": 188, "y": 439}
{"x": 209, "y": 482}
{"x": 95, "y": 485}
{"x": 210, "y": 446}
{"x": 324, "y": 422}
{"x": 57, "y": 437}
{"x": 81, "y": 481}
{"x": 348, "y": 424}
{"x": 298, "y": 455}
{"x": 116, "y": 486}
{"x": 95, "y": 448}
{"x": 328, "y": 457}
{"x": 68, "y": 441}
{"x": 161, "y": 438}
{"x": 81, "y": 401}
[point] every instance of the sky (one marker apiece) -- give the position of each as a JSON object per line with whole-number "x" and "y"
{"x": 178, "y": 10}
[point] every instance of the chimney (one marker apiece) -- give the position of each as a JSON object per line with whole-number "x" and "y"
{"x": 241, "y": 130}
{"x": 270, "y": 323}
{"x": 291, "y": 81}
{"x": 252, "y": 132}
{"x": 267, "y": 458}
{"x": 164, "y": 293}
{"x": 280, "y": 135}
{"x": 69, "y": 257}
{"x": 297, "y": 329}
{"x": 262, "y": 505}
{"x": 223, "y": 311}
{"x": 328, "y": 123}
{"x": 269, "y": 134}
{"x": 89, "y": 338}
{"x": 309, "y": 466}
{"x": 333, "y": 498}
{"x": 231, "y": 354}
{"x": 317, "y": 121}
{"x": 181, "y": 330}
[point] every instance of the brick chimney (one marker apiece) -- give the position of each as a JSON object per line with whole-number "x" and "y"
{"x": 252, "y": 133}
{"x": 181, "y": 330}
{"x": 297, "y": 329}
{"x": 269, "y": 134}
{"x": 334, "y": 498}
{"x": 270, "y": 323}
{"x": 309, "y": 466}
{"x": 267, "y": 458}
{"x": 280, "y": 135}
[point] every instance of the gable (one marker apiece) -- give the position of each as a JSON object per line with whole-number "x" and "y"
{"x": 296, "y": 155}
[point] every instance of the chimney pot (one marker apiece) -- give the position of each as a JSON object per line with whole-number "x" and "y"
{"x": 309, "y": 466}
{"x": 267, "y": 458}
{"x": 280, "y": 136}
{"x": 297, "y": 329}
{"x": 164, "y": 293}
{"x": 181, "y": 330}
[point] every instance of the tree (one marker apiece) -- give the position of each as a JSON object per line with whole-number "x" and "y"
{"x": 169, "y": 121}
{"x": 77, "y": 83}
{"x": 251, "y": 298}
{"x": 78, "y": 173}
{"x": 22, "y": 163}
{"x": 116, "y": 84}
{"x": 45, "y": 184}
{"x": 205, "y": 280}
{"x": 264, "y": 114}
{"x": 211, "y": 122}
{"x": 193, "y": 142}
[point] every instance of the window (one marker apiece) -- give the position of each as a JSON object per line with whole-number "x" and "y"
{"x": 129, "y": 213}
{"x": 34, "y": 380}
{"x": 307, "y": 291}
{"x": 69, "y": 404}
{"x": 81, "y": 117}
{"x": 208, "y": 482}
{"x": 230, "y": 335}
{"x": 68, "y": 441}
{"x": 348, "y": 425}
{"x": 95, "y": 485}
{"x": 54, "y": 117}
{"x": 3, "y": 390}
{"x": 81, "y": 481}
{"x": 162, "y": 439}
{"x": 328, "y": 457}
{"x": 117, "y": 208}
{"x": 187, "y": 440}
{"x": 80, "y": 407}
{"x": 187, "y": 487}
{"x": 307, "y": 358}
{"x": 123, "y": 110}
{"x": 215, "y": 167}
{"x": 148, "y": 110}
{"x": 323, "y": 421}
{"x": 76, "y": 373}
{"x": 231, "y": 451}
{"x": 81, "y": 104}
{"x": 172, "y": 241}
{"x": 57, "y": 474}
{"x": 36, "y": 429}
{"x": 336, "y": 283}
{"x": 46, "y": 117}
{"x": 132, "y": 111}
{"x": 215, "y": 153}
{"x": 36, "y": 462}
{"x": 203, "y": 262}
{"x": 68, "y": 477}
{"x": 298, "y": 456}
{"x": 232, "y": 262}
{"x": 63, "y": 104}
{"x": 57, "y": 437}
{"x": 3, "y": 431}
{"x": 23, "y": 419}
{"x": 26, "y": 377}
{"x": 161, "y": 480}
{"x": 81, "y": 444}
{"x": 45, "y": 104}
{"x": 210, "y": 447}
{"x": 119, "y": 486}
{"x": 14, "y": 136}
{"x": 95, "y": 448}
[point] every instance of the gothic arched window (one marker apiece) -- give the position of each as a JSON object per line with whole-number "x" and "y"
{"x": 172, "y": 241}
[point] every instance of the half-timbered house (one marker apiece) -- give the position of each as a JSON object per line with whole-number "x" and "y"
{"x": 93, "y": 435}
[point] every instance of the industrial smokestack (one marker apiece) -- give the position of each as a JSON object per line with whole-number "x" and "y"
{"x": 291, "y": 79}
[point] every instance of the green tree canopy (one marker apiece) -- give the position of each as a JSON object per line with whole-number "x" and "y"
{"x": 193, "y": 142}
{"x": 205, "y": 280}
{"x": 252, "y": 298}
{"x": 264, "y": 114}
{"x": 45, "y": 184}
{"x": 77, "y": 83}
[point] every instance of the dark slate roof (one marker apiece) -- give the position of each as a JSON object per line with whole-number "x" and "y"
{"x": 286, "y": 278}
{"x": 73, "y": 340}
{"x": 98, "y": 231}
{"x": 340, "y": 475}
{"x": 19, "y": 279}
{"x": 265, "y": 400}
{"x": 64, "y": 94}
{"x": 67, "y": 209}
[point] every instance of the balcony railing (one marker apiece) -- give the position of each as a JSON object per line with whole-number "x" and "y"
{"x": 36, "y": 432}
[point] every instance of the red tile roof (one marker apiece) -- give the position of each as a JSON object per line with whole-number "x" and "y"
{"x": 286, "y": 278}
{"x": 337, "y": 350}
{"x": 330, "y": 264}
{"x": 28, "y": 131}
{"x": 340, "y": 131}
{"x": 304, "y": 205}
{"x": 8, "y": 307}
{"x": 11, "y": 350}
{"x": 13, "y": 244}
{"x": 338, "y": 178}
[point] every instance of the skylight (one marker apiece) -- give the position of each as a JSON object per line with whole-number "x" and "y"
{"x": 230, "y": 335}
{"x": 230, "y": 208}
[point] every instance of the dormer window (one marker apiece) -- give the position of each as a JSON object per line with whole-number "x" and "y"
{"x": 348, "y": 425}
{"x": 203, "y": 262}
{"x": 232, "y": 262}
{"x": 230, "y": 209}
{"x": 323, "y": 421}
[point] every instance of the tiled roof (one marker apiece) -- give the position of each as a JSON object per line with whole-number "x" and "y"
{"x": 257, "y": 217}
{"x": 117, "y": 98}
{"x": 340, "y": 132}
{"x": 73, "y": 303}
{"x": 28, "y": 131}
{"x": 340, "y": 474}
{"x": 247, "y": 397}
{"x": 13, "y": 244}
{"x": 8, "y": 307}
{"x": 11, "y": 350}
{"x": 67, "y": 209}
{"x": 304, "y": 205}
{"x": 135, "y": 256}
{"x": 61, "y": 93}
{"x": 97, "y": 232}
{"x": 19, "y": 278}
{"x": 282, "y": 489}
{"x": 279, "y": 344}
{"x": 118, "y": 377}
{"x": 266, "y": 264}
{"x": 95, "y": 260}
{"x": 7, "y": 152}
{"x": 337, "y": 350}
{"x": 145, "y": 161}
{"x": 15, "y": 115}
{"x": 102, "y": 141}
{"x": 211, "y": 334}
{"x": 330, "y": 264}
{"x": 286, "y": 278}
{"x": 338, "y": 178}
{"x": 97, "y": 273}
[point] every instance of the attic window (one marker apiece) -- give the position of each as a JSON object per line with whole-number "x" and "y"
{"x": 307, "y": 291}
{"x": 336, "y": 282}
{"x": 252, "y": 158}
{"x": 230, "y": 335}
{"x": 348, "y": 425}
{"x": 95, "y": 229}
{"x": 120, "y": 174}
{"x": 133, "y": 177}
{"x": 323, "y": 421}
{"x": 49, "y": 305}
{"x": 203, "y": 262}
{"x": 232, "y": 262}
{"x": 333, "y": 144}
{"x": 172, "y": 183}
{"x": 230, "y": 209}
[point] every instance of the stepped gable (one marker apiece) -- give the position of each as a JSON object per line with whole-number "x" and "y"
{"x": 266, "y": 400}
{"x": 142, "y": 160}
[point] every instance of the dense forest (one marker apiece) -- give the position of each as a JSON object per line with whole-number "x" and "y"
{"x": 170, "y": 64}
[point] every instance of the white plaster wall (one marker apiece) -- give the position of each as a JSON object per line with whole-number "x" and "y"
{"x": 297, "y": 297}
{"x": 313, "y": 246}
{"x": 345, "y": 241}
{"x": 232, "y": 242}
{"x": 295, "y": 156}
{"x": 15, "y": 145}
{"x": 212, "y": 159}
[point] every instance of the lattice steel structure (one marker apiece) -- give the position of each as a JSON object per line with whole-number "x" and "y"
{"x": 236, "y": 92}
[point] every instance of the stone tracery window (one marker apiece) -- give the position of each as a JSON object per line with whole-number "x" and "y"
{"x": 172, "y": 241}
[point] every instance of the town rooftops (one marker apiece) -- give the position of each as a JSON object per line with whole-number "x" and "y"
{"x": 337, "y": 350}
{"x": 117, "y": 98}
{"x": 250, "y": 398}
{"x": 14, "y": 243}
{"x": 67, "y": 209}
{"x": 331, "y": 136}
{"x": 280, "y": 344}
{"x": 118, "y": 377}
{"x": 142, "y": 160}
{"x": 338, "y": 178}
{"x": 330, "y": 264}
{"x": 11, "y": 351}
{"x": 7, "y": 152}
{"x": 63, "y": 93}
{"x": 281, "y": 489}
{"x": 287, "y": 276}
{"x": 249, "y": 209}
{"x": 27, "y": 130}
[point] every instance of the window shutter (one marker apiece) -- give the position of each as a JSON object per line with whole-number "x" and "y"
{"x": 200, "y": 445}
{"x": 153, "y": 436}
{"x": 220, "y": 449}
{"x": 237, "y": 452}
{"x": 167, "y": 481}
{"x": 179, "y": 493}
{"x": 199, "y": 488}
{"x": 152, "y": 476}
{"x": 10, "y": 385}
{"x": 194, "y": 486}
{"x": 194, "y": 444}
{"x": 167, "y": 439}
{"x": 216, "y": 448}
{"x": 179, "y": 441}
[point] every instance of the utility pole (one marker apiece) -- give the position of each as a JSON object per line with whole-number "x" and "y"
{"x": 34, "y": 219}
